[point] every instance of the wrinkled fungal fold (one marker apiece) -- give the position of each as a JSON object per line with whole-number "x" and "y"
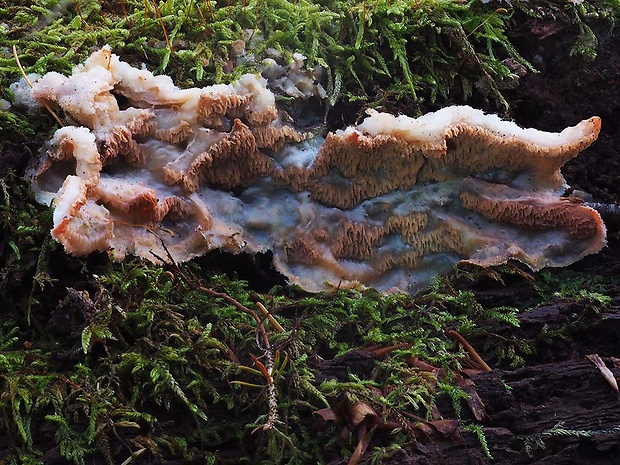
{"x": 389, "y": 203}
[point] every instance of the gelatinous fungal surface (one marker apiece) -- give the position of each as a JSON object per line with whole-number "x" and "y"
{"x": 389, "y": 203}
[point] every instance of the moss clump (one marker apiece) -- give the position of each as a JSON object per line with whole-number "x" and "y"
{"x": 131, "y": 363}
{"x": 411, "y": 49}
{"x": 104, "y": 361}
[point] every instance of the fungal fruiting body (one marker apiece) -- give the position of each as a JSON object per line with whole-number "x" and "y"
{"x": 389, "y": 203}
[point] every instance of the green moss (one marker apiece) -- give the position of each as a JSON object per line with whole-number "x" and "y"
{"x": 411, "y": 49}
{"x": 114, "y": 362}
{"x": 104, "y": 360}
{"x": 151, "y": 361}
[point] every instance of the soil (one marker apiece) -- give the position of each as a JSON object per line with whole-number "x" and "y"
{"x": 558, "y": 408}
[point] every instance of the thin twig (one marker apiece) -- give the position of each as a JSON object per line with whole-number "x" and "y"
{"x": 161, "y": 23}
{"x": 270, "y": 317}
{"x": 272, "y": 398}
{"x": 470, "y": 350}
{"x": 79, "y": 12}
{"x": 272, "y": 395}
{"x": 25, "y": 76}
{"x": 208, "y": 2}
{"x": 124, "y": 9}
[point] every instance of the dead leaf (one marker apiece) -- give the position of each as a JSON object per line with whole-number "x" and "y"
{"x": 473, "y": 399}
{"x": 546, "y": 29}
{"x": 606, "y": 372}
{"x": 326, "y": 414}
{"x": 364, "y": 436}
{"x": 425, "y": 428}
{"x": 232, "y": 356}
{"x": 126, "y": 424}
{"x": 371, "y": 348}
{"x": 471, "y": 372}
{"x": 359, "y": 411}
{"x": 447, "y": 428}
{"x": 262, "y": 368}
{"x": 415, "y": 362}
